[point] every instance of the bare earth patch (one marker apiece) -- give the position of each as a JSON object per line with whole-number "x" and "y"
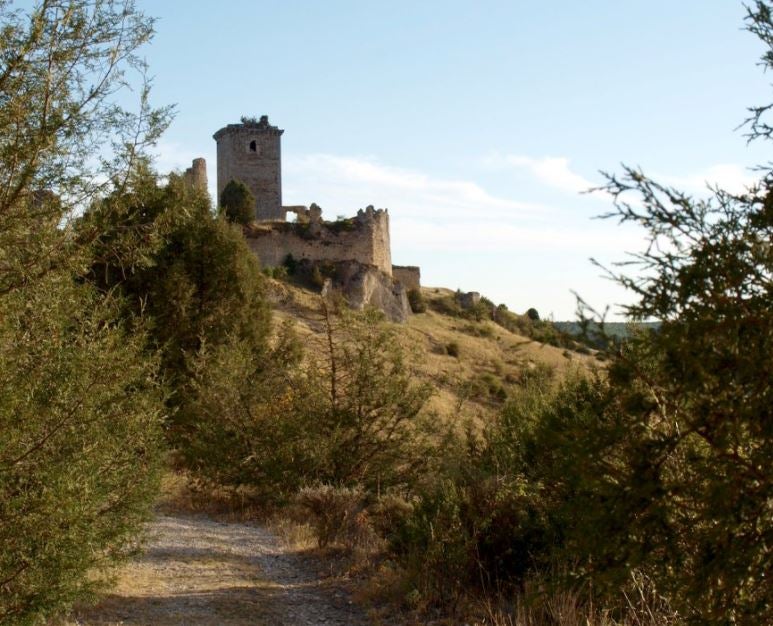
{"x": 198, "y": 571}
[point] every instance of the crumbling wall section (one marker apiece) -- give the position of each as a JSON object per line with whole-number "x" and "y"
{"x": 196, "y": 174}
{"x": 363, "y": 238}
{"x": 408, "y": 275}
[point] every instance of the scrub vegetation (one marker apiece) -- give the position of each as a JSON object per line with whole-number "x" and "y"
{"x": 473, "y": 464}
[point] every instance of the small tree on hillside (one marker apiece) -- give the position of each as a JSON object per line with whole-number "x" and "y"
{"x": 237, "y": 203}
{"x": 362, "y": 402}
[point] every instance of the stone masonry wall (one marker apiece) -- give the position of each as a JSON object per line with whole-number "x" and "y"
{"x": 196, "y": 174}
{"x": 364, "y": 238}
{"x": 408, "y": 275}
{"x": 251, "y": 153}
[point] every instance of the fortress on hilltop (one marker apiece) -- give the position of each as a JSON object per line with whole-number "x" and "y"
{"x": 353, "y": 255}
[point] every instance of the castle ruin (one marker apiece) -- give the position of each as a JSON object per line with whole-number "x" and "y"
{"x": 355, "y": 252}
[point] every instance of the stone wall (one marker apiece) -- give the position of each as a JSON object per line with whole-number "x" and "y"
{"x": 251, "y": 153}
{"x": 363, "y": 238}
{"x": 196, "y": 174}
{"x": 408, "y": 275}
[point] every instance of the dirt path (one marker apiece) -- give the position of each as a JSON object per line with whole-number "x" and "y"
{"x": 197, "y": 571}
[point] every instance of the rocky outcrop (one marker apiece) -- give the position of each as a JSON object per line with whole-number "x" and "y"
{"x": 366, "y": 286}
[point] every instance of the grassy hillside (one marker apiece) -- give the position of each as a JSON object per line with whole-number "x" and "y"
{"x": 472, "y": 365}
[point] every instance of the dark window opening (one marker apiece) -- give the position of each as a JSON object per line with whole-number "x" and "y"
{"x": 253, "y": 146}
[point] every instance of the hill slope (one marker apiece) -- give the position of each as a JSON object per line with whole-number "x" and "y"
{"x": 472, "y": 365}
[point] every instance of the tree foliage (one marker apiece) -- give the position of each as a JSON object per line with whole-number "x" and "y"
{"x": 361, "y": 397}
{"x": 237, "y": 203}
{"x": 63, "y": 135}
{"x": 690, "y": 427}
{"x": 80, "y": 413}
{"x": 188, "y": 272}
{"x": 661, "y": 467}
{"x": 347, "y": 413}
{"x": 80, "y": 407}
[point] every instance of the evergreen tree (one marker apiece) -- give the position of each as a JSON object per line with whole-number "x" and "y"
{"x": 80, "y": 408}
{"x": 680, "y": 474}
{"x": 192, "y": 276}
{"x": 237, "y": 203}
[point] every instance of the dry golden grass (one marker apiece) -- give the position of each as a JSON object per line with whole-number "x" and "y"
{"x": 486, "y": 350}
{"x": 180, "y": 494}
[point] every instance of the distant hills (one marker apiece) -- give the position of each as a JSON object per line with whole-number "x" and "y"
{"x": 618, "y": 330}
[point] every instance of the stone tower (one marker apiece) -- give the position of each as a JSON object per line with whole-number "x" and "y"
{"x": 250, "y": 152}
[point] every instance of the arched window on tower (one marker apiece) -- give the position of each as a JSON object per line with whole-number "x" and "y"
{"x": 253, "y": 146}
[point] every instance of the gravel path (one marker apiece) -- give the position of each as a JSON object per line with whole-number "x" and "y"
{"x": 197, "y": 571}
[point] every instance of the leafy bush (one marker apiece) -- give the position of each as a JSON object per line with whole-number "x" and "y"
{"x": 234, "y": 436}
{"x": 361, "y": 403}
{"x": 291, "y": 264}
{"x": 80, "y": 405}
{"x": 277, "y": 273}
{"x": 196, "y": 279}
{"x": 499, "y": 515}
{"x": 449, "y": 305}
{"x": 348, "y": 415}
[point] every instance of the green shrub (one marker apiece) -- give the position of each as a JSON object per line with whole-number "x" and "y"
{"x": 277, "y": 273}
{"x": 446, "y": 305}
{"x": 348, "y": 415}
{"x": 198, "y": 282}
{"x": 237, "y": 203}
{"x": 416, "y": 300}
{"x": 80, "y": 452}
{"x": 291, "y": 264}
{"x": 500, "y": 514}
{"x": 80, "y": 402}
{"x": 235, "y": 438}
{"x": 452, "y": 349}
{"x": 342, "y": 224}
{"x": 361, "y": 404}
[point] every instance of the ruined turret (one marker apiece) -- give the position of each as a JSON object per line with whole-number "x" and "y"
{"x": 196, "y": 175}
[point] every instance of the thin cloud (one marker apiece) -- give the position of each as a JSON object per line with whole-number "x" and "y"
{"x": 472, "y": 236}
{"x": 728, "y": 176}
{"x": 351, "y": 182}
{"x": 439, "y": 214}
{"x": 550, "y": 171}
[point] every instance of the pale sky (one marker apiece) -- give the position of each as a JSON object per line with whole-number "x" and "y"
{"x": 477, "y": 124}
